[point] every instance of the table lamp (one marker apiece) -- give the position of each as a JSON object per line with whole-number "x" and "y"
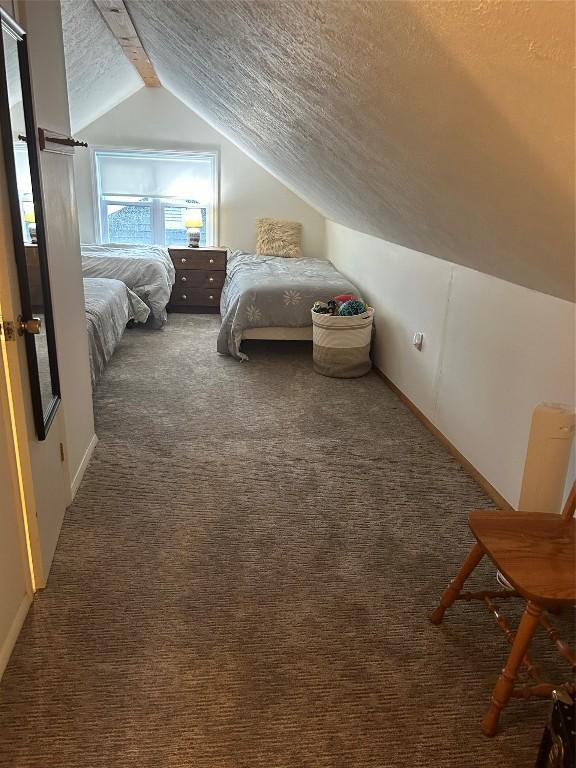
{"x": 30, "y": 220}
{"x": 193, "y": 223}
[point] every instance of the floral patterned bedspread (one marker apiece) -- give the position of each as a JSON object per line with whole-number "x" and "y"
{"x": 264, "y": 291}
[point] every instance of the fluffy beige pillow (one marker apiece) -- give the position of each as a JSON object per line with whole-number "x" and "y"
{"x": 278, "y": 238}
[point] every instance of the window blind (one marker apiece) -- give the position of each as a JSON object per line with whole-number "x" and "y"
{"x": 140, "y": 174}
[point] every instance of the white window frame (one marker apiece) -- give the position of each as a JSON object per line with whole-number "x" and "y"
{"x": 157, "y": 204}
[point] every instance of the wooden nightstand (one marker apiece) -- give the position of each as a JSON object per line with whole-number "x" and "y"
{"x": 200, "y": 274}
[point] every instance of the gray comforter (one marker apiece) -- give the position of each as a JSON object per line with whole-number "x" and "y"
{"x": 264, "y": 291}
{"x": 145, "y": 269}
{"x": 109, "y": 306}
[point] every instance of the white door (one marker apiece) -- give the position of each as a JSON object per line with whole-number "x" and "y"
{"x": 15, "y": 579}
{"x": 43, "y": 471}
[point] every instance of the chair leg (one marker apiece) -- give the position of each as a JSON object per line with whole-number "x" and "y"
{"x": 455, "y": 587}
{"x": 505, "y": 684}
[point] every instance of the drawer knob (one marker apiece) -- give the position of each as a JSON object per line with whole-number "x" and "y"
{"x": 183, "y": 260}
{"x": 211, "y": 261}
{"x": 184, "y": 296}
{"x": 210, "y": 279}
{"x": 211, "y": 297}
{"x": 183, "y": 278}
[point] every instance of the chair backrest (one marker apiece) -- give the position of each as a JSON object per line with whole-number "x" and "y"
{"x": 570, "y": 506}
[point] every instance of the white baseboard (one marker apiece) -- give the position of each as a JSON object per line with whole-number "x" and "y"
{"x": 82, "y": 468}
{"x": 8, "y": 645}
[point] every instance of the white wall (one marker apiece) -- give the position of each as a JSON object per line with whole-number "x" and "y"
{"x": 154, "y": 119}
{"x": 492, "y": 350}
{"x": 42, "y": 21}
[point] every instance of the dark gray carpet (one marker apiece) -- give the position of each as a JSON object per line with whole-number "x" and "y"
{"x": 244, "y": 577}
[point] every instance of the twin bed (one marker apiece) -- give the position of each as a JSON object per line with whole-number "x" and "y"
{"x": 146, "y": 269}
{"x": 122, "y": 283}
{"x": 264, "y": 297}
{"x": 110, "y": 306}
{"x": 270, "y": 297}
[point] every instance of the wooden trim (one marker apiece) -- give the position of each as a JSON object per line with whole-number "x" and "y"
{"x": 486, "y": 486}
{"x": 116, "y": 16}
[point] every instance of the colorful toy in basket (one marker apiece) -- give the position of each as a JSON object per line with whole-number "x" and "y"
{"x": 344, "y": 297}
{"x": 333, "y": 306}
{"x": 353, "y": 307}
{"x": 346, "y": 305}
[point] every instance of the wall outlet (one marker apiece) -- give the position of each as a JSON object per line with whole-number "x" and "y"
{"x": 418, "y": 340}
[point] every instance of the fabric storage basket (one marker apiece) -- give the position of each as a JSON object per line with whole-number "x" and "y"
{"x": 342, "y": 344}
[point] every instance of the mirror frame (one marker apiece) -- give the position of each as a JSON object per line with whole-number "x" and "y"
{"x": 43, "y": 416}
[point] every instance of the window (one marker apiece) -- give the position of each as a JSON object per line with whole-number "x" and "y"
{"x": 143, "y": 196}
{"x": 25, "y": 199}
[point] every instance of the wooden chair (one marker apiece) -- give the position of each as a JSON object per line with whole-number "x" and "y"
{"x": 536, "y": 553}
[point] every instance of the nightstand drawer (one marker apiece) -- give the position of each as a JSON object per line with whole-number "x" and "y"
{"x": 195, "y": 297}
{"x": 196, "y": 258}
{"x": 199, "y": 278}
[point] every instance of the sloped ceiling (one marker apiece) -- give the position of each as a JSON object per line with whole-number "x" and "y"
{"x": 99, "y": 74}
{"x": 445, "y": 127}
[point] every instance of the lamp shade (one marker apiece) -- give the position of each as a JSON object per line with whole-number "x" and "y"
{"x": 193, "y": 218}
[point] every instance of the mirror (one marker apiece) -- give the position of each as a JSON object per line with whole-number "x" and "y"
{"x": 21, "y": 157}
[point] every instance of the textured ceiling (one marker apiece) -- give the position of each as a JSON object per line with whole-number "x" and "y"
{"x": 446, "y": 127}
{"x": 99, "y": 74}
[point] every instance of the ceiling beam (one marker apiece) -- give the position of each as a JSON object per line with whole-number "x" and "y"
{"x": 116, "y": 16}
